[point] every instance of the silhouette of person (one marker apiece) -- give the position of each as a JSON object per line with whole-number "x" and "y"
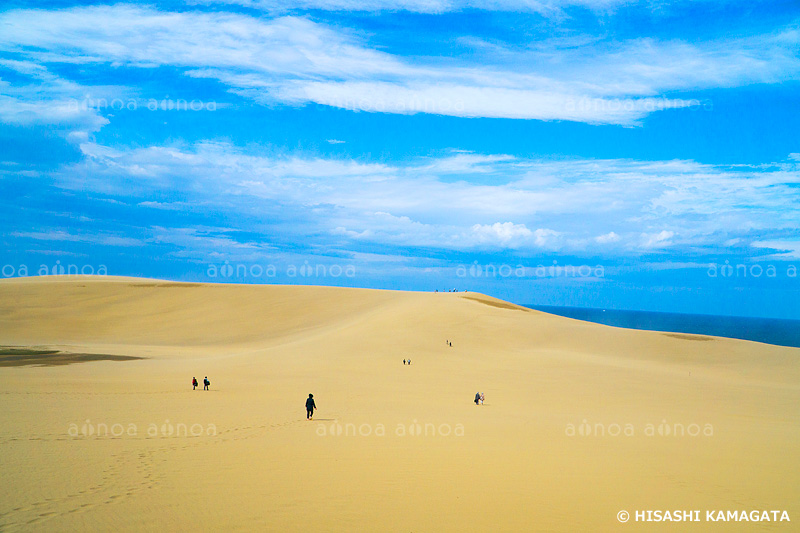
{"x": 404, "y": 361}
{"x": 206, "y": 383}
{"x": 310, "y": 406}
{"x": 477, "y": 397}
{"x": 194, "y": 383}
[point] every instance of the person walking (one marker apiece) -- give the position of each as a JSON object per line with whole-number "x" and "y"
{"x": 310, "y": 406}
{"x": 482, "y": 398}
{"x": 404, "y": 361}
{"x": 477, "y": 397}
{"x": 194, "y": 383}
{"x": 206, "y": 383}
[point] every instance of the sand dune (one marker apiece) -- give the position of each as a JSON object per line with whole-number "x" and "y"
{"x": 581, "y": 420}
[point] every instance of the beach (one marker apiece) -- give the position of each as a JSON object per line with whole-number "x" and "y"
{"x": 102, "y": 430}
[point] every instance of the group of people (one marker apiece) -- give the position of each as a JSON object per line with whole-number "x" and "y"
{"x": 406, "y": 361}
{"x": 311, "y": 404}
{"x": 206, "y": 383}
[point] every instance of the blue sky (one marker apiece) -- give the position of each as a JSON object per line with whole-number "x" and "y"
{"x": 649, "y": 152}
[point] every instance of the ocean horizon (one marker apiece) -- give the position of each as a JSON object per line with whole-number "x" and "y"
{"x": 781, "y": 332}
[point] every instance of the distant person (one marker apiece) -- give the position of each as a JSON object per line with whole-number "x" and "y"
{"x": 477, "y": 397}
{"x": 310, "y": 406}
{"x": 194, "y": 383}
{"x": 206, "y": 383}
{"x": 404, "y": 361}
{"x": 482, "y": 398}
{"x": 409, "y": 361}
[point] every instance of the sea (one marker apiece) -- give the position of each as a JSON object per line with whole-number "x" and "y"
{"x": 768, "y": 330}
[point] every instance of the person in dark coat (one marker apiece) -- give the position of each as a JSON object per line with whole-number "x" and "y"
{"x": 310, "y": 406}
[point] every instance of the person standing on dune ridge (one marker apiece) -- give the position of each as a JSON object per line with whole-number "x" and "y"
{"x": 310, "y": 406}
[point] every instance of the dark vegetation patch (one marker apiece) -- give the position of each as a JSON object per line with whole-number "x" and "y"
{"x": 16, "y": 356}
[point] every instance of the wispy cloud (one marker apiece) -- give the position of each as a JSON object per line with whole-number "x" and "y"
{"x": 544, "y": 7}
{"x": 784, "y": 249}
{"x": 294, "y": 60}
{"x": 608, "y": 206}
{"x": 39, "y": 97}
{"x": 58, "y": 235}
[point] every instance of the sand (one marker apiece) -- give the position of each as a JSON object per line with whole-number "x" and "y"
{"x": 581, "y": 421}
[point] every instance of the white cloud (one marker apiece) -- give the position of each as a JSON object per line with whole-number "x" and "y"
{"x": 545, "y": 237}
{"x": 786, "y": 249}
{"x": 168, "y": 206}
{"x": 502, "y": 232}
{"x": 572, "y": 204}
{"x": 335, "y": 141}
{"x": 465, "y": 163}
{"x": 46, "y": 99}
{"x": 544, "y": 7}
{"x": 206, "y": 239}
{"x": 657, "y": 240}
{"x": 104, "y": 239}
{"x": 144, "y": 37}
{"x": 607, "y": 238}
{"x": 293, "y": 60}
{"x": 463, "y": 100}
